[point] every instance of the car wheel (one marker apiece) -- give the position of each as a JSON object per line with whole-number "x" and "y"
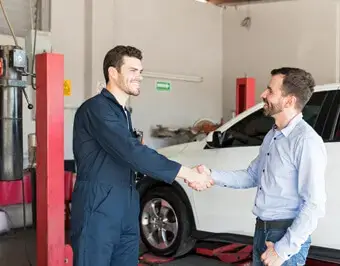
{"x": 165, "y": 223}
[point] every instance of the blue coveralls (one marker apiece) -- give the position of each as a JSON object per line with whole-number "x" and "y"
{"x": 105, "y": 202}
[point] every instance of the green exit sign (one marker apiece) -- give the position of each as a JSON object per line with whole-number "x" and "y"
{"x": 163, "y": 86}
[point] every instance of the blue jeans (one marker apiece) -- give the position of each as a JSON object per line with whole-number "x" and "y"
{"x": 274, "y": 235}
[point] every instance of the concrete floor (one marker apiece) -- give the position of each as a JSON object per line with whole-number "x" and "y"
{"x": 18, "y": 248}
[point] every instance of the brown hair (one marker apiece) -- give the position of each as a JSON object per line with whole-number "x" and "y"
{"x": 115, "y": 58}
{"x": 296, "y": 82}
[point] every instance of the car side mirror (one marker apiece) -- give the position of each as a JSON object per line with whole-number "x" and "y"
{"x": 220, "y": 139}
{"x": 217, "y": 138}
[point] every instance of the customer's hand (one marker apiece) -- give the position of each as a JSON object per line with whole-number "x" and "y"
{"x": 202, "y": 179}
{"x": 196, "y": 180}
{"x": 201, "y": 168}
{"x": 270, "y": 257}
{"x": 199, "y": 181}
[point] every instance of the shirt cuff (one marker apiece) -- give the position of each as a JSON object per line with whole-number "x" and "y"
{"x": 282, "y": 249}
{"x": 215, "y": 175}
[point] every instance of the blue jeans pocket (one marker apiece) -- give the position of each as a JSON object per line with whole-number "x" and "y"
{"x": 274, "y": 235}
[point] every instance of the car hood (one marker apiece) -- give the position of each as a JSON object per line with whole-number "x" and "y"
{"x": 174, "y": 150}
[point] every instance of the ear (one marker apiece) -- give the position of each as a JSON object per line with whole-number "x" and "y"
{"x": 291, "y": 101}
{"x": 113, "y": 73}
{"x": 294, "y": 100}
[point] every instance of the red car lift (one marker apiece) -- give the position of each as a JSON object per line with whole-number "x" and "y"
{"x": 236, "y": 254}
{"x": 245, "y": 94}
{"x": 51, "y": 249}
{"x": 148, "y": 259}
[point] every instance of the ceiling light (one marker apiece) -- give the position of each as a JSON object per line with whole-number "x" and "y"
{"x": 202, "y": 1}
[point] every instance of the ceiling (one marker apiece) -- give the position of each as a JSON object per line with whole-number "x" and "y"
{"x": 241, "y": 2}
{"x": 20, "y": 15}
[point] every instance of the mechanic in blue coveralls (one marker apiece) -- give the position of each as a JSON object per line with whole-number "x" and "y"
{"x": 105, "y": 202}
{"x": 289, "y": 174}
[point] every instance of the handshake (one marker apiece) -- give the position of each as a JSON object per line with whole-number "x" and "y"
{"x": 199, "y": 178}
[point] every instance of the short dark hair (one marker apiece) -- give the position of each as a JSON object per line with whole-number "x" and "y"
{"x": 114, "y": 58}
{"x": 296, "y": 82}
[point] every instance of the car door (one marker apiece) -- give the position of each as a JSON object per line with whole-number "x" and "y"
{"x": 331, "y": 136}
{"x": 224, "y": 210}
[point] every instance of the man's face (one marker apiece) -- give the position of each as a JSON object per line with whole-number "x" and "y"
{"x": 129, "y": 77}
{"x": 274, "y": 101}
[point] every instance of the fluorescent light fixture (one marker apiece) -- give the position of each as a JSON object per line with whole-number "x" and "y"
{"x": 202, "y": 1}
{"x": 172, "y": 76}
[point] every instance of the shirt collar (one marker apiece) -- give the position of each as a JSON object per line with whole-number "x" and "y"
{"x": 291, "y": 125}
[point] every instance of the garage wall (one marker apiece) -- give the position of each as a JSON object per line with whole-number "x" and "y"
{"x": 280, "y": 35}
{"x": 176, "y": 37}
{"x": 188, "y": 45}
{"x": 68, "y": 38}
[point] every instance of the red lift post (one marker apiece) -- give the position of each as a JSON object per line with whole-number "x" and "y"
{"x": 51, "y": 249}
{"x": 245, "y": 94}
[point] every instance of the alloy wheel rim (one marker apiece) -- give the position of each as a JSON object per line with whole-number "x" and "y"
{"x": 159, "y": 223}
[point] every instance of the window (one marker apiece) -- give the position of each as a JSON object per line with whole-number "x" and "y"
{"x": 251, "y": 130}
{"x": 313, "y": 107}
{"x": 337, "y": 131}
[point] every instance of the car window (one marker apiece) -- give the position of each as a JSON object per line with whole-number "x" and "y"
{"x": 313, "y": 107}
{"x": 331, "y": 130}
{"x": 337, "y": 131}
{"x": 251, "y": 130}
{"x": 337, "y": 127}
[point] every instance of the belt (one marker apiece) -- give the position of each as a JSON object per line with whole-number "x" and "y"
{"x": 275, "y": 224}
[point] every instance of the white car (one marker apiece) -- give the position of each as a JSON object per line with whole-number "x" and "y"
{"x": 173, "y": 217}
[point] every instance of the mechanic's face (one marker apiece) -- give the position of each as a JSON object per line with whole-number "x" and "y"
{"x": 129, "y": 77}
{"x": 275, "y": 102}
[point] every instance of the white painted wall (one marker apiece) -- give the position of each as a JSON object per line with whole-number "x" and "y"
{"x": 180, "y": 37}
{"x": 176, "y": 36}
{"x": 68, "y": 38}
{"x": 185, "y": 37}
{"x": 300, "y": 33}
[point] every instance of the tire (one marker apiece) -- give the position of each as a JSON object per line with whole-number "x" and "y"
{"x": 175, "y": 213}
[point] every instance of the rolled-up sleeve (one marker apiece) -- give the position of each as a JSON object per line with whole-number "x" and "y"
{"x": 110, "y": 132}
{"x": 311, "y": 165}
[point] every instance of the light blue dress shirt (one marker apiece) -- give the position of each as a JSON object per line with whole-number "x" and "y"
{"x": 289, "y": 174}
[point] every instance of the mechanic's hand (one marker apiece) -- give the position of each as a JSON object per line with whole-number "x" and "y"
{"x": 202, "y": 179}
{"x": 200, "y": 182}
{"x": 202, "y": 169}
{"x": 270, "y": 257}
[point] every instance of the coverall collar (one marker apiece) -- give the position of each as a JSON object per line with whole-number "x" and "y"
{"x": 110, "y": 96}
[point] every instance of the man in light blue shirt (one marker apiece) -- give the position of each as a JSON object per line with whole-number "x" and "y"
{"x": 289, "y": 174}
